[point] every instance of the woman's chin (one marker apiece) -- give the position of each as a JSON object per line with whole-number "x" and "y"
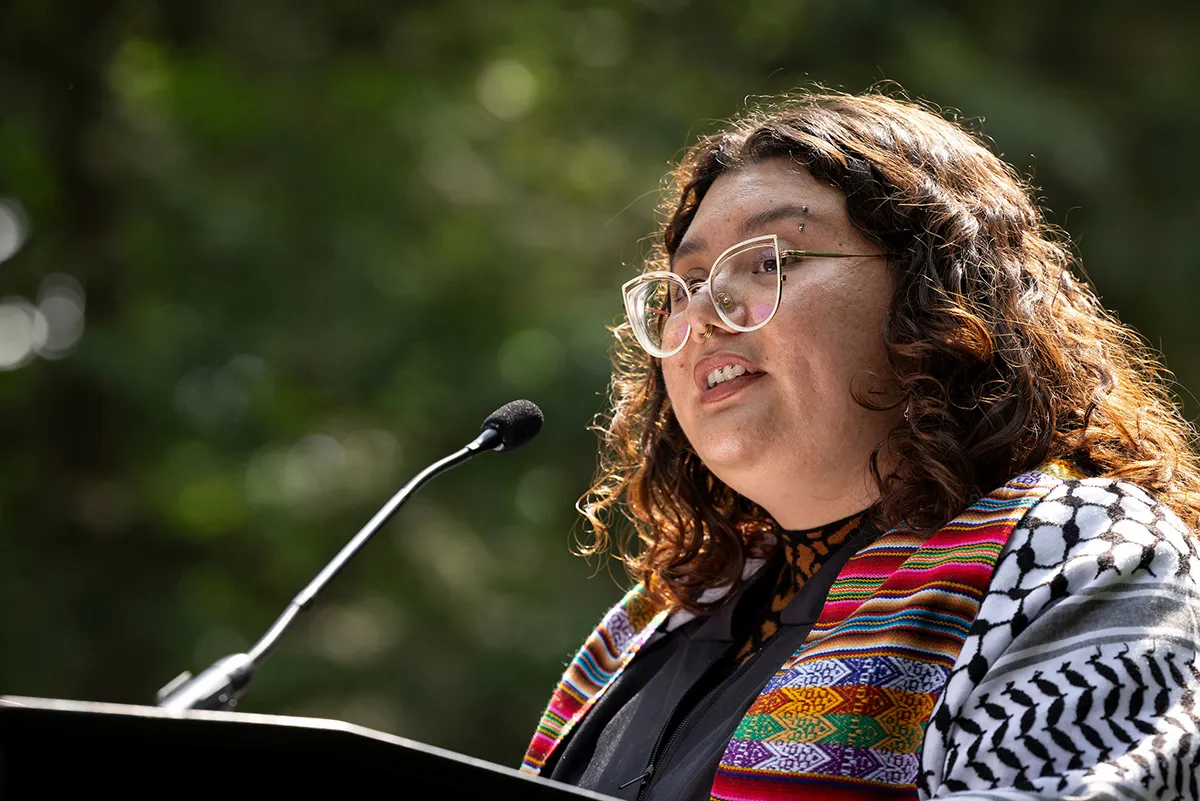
{"x": 732, "y": 458}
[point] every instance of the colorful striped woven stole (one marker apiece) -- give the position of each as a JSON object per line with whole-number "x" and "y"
{"x": 844, "y": 718}
{"x": 603, "y": 656}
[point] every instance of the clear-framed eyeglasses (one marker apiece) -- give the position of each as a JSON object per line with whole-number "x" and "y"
{"x": 745, "y": 285}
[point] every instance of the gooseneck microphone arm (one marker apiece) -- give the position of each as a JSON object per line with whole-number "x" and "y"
{"x": 485, "y": 441}
{"x": 220, "y": 685}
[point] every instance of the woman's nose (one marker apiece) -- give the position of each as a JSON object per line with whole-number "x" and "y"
{"x": 701, "y": 313}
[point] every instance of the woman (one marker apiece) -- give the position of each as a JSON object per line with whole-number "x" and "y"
{"x": 911, "y": 503}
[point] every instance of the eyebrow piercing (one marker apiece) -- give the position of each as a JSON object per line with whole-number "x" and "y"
{"x": 804, "y": 209}
{"x": 801, "y": 226}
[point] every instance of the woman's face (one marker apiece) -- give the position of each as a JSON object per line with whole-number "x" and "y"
{"x": 788, "y": 433}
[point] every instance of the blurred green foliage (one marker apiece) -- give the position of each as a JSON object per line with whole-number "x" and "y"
{"x": 320, "y": 242}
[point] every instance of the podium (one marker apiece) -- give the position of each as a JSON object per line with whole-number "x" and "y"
{"x": 51, "y": 747}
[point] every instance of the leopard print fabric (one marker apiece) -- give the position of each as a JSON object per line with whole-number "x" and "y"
{"x": 804, "y": 552}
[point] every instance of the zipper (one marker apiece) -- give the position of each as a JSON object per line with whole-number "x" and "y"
{"x": 674, "y": 736}
{"x": 660, "y": 750}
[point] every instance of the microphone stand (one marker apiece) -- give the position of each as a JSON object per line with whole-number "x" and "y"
{"x": 223, "y": 683}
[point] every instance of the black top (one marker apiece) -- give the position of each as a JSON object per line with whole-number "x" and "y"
{"x": 662, "y": 727}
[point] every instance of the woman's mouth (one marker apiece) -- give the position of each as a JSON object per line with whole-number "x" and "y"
{"x": 722, "y": 375}
{"x": 726, "y": 373}
{"x": 728, "y": 387}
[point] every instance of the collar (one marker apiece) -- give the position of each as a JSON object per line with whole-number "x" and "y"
{"x": 803, "y": 609}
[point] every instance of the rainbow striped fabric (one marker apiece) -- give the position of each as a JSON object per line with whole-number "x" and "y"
{"x": 603, "y": 656}
{"x": 845, "y": 716}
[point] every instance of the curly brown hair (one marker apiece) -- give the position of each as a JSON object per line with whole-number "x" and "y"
{"x": 1005, "y": 359}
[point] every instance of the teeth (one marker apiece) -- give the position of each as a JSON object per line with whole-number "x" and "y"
{"x": 723, "y": 374}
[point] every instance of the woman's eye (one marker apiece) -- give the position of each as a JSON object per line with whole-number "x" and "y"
{"x": 767, "y": 263}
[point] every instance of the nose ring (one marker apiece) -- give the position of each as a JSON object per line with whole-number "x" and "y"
{"x": 707, "y": 331}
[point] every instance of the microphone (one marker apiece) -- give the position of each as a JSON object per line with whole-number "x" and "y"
{"x": 516, "y": 422}
{"x": 219, "y": 687}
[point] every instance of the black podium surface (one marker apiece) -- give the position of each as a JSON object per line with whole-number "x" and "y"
{"x": 51, "y": 747}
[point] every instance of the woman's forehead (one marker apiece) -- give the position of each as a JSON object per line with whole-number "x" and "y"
{"x": 757, "y": 199}
{"x": 767, "y": 184}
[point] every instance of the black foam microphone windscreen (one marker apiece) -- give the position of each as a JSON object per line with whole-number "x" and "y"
{"x": 516, "y": 422}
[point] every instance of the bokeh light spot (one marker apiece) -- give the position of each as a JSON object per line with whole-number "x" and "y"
{"x": 315, "y": 463}
{"x": 14, "y": 227}
{"x": 22, "y": 331}
{"x": 209, "y": 507}
{"x": 507, "y": 89}
{"x": 320, "y": 474}
{"x": 139, "y": 76}
{"x": 61, "y": 301}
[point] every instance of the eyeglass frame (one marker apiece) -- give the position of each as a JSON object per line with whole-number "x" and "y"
{"x": 627, "y": 287}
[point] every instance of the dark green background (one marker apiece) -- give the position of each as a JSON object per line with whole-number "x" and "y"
{"x": 319, "y": 243}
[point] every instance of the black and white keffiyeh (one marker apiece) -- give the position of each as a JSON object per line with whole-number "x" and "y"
{"x": 1079, "y": 677}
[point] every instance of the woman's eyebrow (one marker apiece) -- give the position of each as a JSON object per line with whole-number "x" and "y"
{"x": 748, "y": 227}
{"x": 756, "y": 222}
{"x": 687, "y": 247}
